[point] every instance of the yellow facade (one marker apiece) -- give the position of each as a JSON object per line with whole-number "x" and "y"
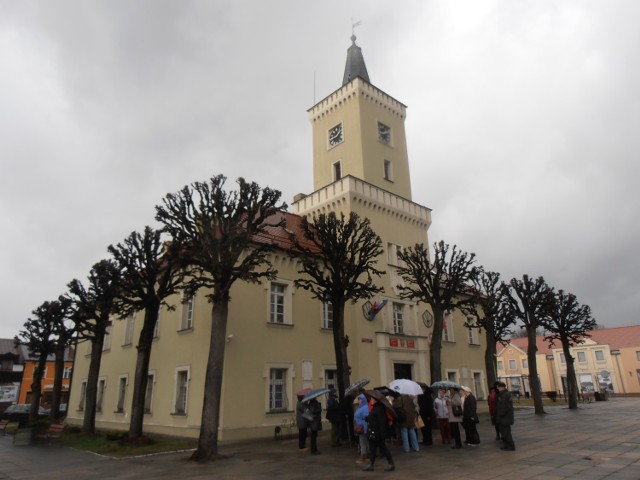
{"x": 269, "y": 355}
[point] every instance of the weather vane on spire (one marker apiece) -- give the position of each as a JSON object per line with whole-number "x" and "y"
{"x": 353, "y": 26}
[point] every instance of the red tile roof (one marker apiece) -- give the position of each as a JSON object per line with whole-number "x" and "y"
{"x": 280, "y": 235}
{"x": 619, "y": 337}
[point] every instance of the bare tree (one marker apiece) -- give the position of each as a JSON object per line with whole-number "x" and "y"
{"x": 37, "y": 336}
{"x": 224, "y": 234}
{"x": 443, "y": 283}
{"x": 151, "y": 271}
{"x": 570, "y": 323}
{"x": 93, "y": 308}
{"x": 529, "y": 301}
{"x": 338, "y": 257}
{"x": 64, "y": 337}
{"x": 493, "y": 318}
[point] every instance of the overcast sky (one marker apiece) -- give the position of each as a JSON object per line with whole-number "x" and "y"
{"x": 523, "y": 125}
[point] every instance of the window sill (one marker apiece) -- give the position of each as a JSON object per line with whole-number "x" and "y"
{"x": 280, "y": 325}
{"x": 279, "y": 412}
{"x": 174, "y": 414}
{"x": 185, "y": 330}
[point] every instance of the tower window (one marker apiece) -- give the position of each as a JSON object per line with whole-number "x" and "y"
{"x": 388, "y": 171}
{"x": 337, "y": 171}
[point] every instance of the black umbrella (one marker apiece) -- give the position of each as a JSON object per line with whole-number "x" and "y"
{"x": 379, "y": 396}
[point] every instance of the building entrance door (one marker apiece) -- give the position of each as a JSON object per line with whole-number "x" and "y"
{"x": 402, "y": 370}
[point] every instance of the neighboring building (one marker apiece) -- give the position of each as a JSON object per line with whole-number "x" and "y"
{"x": 11, "y": 370}
{"x": 47, "y": 379}
{"x": 607, "y": 361}
{"x": 280, "y": 338}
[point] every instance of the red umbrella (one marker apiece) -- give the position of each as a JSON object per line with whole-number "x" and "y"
{"x": 379, "y": 396}
{"x": 304, "y": 391}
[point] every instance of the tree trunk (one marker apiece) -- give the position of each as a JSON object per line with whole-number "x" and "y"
{"x": 533, "y": 368}
{"x": 340, "y": 347}
{"x": 36, "y": 387}
{"x": 572, "y": 384}
{"x": 435, "y": 361}
{"x": 208, "y": 440}
{"x": 142, "y": 371}
{"x": 490, "y": 358}
{"x": 57, "y": 382}
{"x": 91, "y": 392}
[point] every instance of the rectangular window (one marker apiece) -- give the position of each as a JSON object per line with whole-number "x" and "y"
{"x": 512, "y": 365}
{"x": 128, "y": 330}
{"x": 122, "y": 391}
{"x": 392, "y": 255}
{"x": 388, "y": 171}
{"x": 182, "y": 390}
{"x": 148, "y": 394}
{"x": 525, "y": 363}
{"x": 106, "y": 345}
{"x": 327, "y": 315}
{"x": 638, "y": 356}
{"x": 582, "y": 358}
{"x": 67, "y": 372}
{"x": 599, "y": 356}
{"x": 331, "y": 379}
{"x": 186, "y": 322}
{"x": 102, "y": 383}
{"x": 447, "y": 328}
{"x": 156, "y": 329}
{"x": 83, "y": 395}
{"x": 562, "y": 358}
{"x": 472, "y": 336}
{"x": 277, "y": 389}
{"x": 500, "y": 365}
{"x": 398, "y": 318}
{"x": 276, "y": 303}
{"x": 337, "y": 171}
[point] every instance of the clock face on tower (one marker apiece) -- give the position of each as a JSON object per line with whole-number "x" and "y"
{"x": 335, "y": 135}
{"x": 384, "y": 133}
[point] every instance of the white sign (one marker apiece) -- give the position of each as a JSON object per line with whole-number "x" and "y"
{"x": 9, "y": 393}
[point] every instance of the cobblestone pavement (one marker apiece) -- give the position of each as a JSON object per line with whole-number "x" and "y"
{"x": 599, "y": 440}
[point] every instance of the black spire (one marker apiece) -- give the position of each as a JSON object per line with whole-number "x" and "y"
{"x": 355, "y": 66}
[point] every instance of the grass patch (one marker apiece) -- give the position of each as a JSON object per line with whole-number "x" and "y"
{"x": 116, "y": 444}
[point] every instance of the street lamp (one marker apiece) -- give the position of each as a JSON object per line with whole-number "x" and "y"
{"x": 616, "y": 353}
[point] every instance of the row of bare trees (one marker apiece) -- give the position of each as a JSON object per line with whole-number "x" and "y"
{"x": 210, "y": 238}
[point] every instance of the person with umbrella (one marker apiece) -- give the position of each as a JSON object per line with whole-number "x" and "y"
{"x": 335, "y": 417}
{"x": 309, "y": 416}
{"x": 425, "y": 402}
{"x": 303, "y": 419}
{"x": 455, "y": 416}
{"x": 442, "y": 415}
{"x": 378, "y": 430}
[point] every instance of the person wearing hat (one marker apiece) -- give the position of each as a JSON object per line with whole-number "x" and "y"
{"x": 470, "y": 417}
{"x": 334, "y": 415}
{"x": 504, "y": 416}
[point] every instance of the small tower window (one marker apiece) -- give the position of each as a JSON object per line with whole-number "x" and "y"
{"x": 337, "y": 171}
{"x": 388, "y": 170}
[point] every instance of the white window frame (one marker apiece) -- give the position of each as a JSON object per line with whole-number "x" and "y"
{"x": 330, "y": 376}
{"x": 583, "y": 355}
{"x": 102, "y": 387}
{"x": 278, "y": 398}
{"x": 472, "y": 336}
{"x": 563, "y": 359}
{"x": 123, "y": 383}
{"x": 287, "y": 299}
{"x": 148, "y": 394}
{"x": 67, "y": 373}
{"x": 106, "y": 344}
{"x": 599, "y": 353}
{"x": 288, "y": 386}
{"x": 392, "y": 255}
{"x": 452, "y": 375}
{"x": 83, "y": 395}
{"x": 327, "y": 315}
{"x": 447, "y": 330}
{"x": 129, "y": 325}
{"x": 398, "y": 318}
{"x": 500, "y": 365}
{"x": 525, "y": 364}
{"x": 513, "y": 364}
{"x": 181, "y": 391}
{"x": 187, "y": 313}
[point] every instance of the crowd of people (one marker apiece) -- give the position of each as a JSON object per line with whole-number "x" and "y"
{"x": 382, "y": 416}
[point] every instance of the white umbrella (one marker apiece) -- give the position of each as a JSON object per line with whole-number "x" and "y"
{"x": 405, "y": 386}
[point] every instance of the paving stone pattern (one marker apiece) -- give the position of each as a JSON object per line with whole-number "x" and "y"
{"x": 600, "y": 440}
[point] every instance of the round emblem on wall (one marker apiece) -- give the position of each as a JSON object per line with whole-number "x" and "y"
{"x": 427, "y": 319}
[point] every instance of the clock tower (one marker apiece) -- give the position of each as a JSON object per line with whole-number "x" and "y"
{"x": 358, "y": 130}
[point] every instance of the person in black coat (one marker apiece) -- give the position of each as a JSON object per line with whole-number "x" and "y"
{"x": 504, "y": 416}
{"x": 377, "y": 432}
{"x": 470, "y": 417}
{"x": 425, "y": 402}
